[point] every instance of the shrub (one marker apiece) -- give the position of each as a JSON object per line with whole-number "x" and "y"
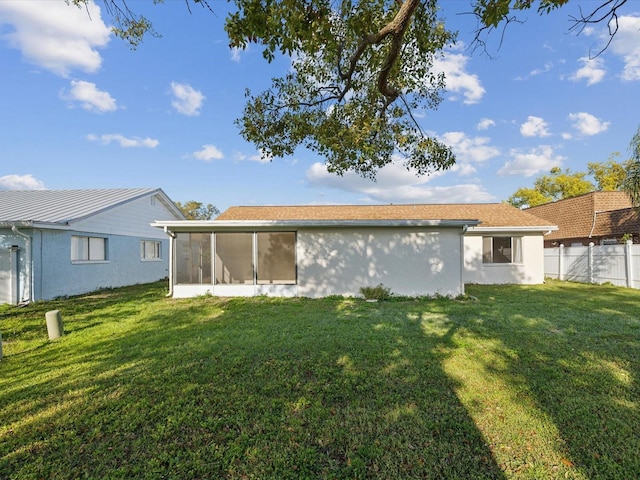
{"x": 379, "y": 292}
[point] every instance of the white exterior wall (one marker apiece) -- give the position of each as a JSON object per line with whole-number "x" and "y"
{"x": 529, "y": 272}
{"x": 408, "y": 261}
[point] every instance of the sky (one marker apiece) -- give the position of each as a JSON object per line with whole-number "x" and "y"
{"x": 80, "y": 109}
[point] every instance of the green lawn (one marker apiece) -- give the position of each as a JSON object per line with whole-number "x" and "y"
{"x": 518, "y": 382}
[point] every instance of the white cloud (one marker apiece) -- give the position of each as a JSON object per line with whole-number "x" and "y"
{"x": 534, "y": 127}
{"x": 592, "y": 71}
{"x": 587, "y": 124}
{"x": 20, "y": 182}
{"x": 485, "y": 124}
{"x": 260, "y": 157}
{"x": 458, "y": 80}
{"x": 208, "y": 153}
{"x": 626, "y": 44}
{"x": 187, "y": 100}
{"x": 396, "y": 184}
{"x": 54, "y": 35}
{"x": 236, "y": 53}
{"x": 469, "y": 149}
{"x": 125, "y": 142}
{"x": 539, "y": 71}
{"x": 536, "y": 160}
{"x": 89, "y": 97}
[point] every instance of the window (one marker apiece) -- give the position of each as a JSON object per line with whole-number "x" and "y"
{"x": 193, "y": 258}
{"x": 501, "y": 249}
{"x": 234, "y": 258}
{"x": 88, "y": 249}
{"x": 149, "y": 250}
{"x": 276, "y": 258}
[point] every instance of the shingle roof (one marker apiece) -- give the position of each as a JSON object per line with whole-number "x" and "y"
{"x": 575, "y": 216}
{"x": 63, "y": 206}
{"x": 617, "y": 223}
{"x": 490, "y": 214}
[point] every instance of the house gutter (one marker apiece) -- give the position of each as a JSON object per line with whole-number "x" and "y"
{"x": 229, "y": 225}
{"x": 29, "y": 272}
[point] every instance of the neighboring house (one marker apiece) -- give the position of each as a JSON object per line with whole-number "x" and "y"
{"x": 315, "y": 251}
{"x": 603, "y": 218}
{"x": 66, "y": 242}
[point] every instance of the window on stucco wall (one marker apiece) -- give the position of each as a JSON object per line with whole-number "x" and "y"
{"x": 88, "y": 249}
{"x": 501, "y": 249}
{"x": 149, "y": 250}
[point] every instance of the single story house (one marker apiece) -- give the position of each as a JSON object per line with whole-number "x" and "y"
{"x": 602, "y": 218}
{"x": 56, "y": 243}
{"x": 316, "y": 251}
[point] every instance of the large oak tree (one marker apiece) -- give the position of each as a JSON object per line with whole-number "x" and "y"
{"x": 361, "y": 69}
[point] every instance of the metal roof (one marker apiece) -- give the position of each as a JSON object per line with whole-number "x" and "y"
{"x": 65, "y": 206}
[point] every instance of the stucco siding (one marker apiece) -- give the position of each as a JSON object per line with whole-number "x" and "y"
{"x": 126, "y": 219}
{"x": 530, "y": 271}
{"x": 408, "y": 261}
{"x": 57, "y": 275}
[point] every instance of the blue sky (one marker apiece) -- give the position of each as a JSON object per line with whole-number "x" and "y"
{"x": 80, "y": 109}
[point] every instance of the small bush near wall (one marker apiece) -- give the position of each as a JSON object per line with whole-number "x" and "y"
{"x": 379, "y": 292}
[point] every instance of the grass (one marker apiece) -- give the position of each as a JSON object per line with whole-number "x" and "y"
{"x": 518, "y": 382}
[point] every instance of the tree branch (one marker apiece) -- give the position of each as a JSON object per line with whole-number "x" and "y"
{"x": 606, "y": 11}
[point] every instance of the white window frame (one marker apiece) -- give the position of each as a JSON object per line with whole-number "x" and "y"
{"x": 516, "y": 256}
{"x": 150, "y": 250}
{"x": 86, "y": 249}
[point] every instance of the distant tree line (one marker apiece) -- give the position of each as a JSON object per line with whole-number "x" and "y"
{"x": 607, "y": 176}
{"x": 193, "y": 210}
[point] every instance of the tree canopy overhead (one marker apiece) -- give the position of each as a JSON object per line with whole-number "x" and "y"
{"x": 360, "y": 70}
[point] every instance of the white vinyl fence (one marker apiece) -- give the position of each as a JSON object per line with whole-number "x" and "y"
{"x": 617, "y": 264}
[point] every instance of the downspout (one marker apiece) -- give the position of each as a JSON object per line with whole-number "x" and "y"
{"x": 593, "y": 225}
{"x": 463, "y": 255}
{"x": 29, "y": 272}
{"x": 172, "y": 237}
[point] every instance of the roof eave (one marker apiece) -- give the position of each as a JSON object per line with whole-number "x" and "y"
{"x": 204, "y": 225}
{"x": 34, "y": 224}
{"x": 535, "y": 228}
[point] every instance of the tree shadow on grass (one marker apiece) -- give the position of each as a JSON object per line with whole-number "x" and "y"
{"x": 572, "y": 350}
{"x": 244, "y": 389}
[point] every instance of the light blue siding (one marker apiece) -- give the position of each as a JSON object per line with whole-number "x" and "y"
{"x": 59, "y": 276}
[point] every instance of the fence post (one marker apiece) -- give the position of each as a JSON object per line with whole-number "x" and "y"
{"x": 561, "y": 262}
{"x": 590, "y": 273}
{"x": 628, "y": 263}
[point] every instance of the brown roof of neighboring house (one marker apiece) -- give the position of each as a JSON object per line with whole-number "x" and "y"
{"x": 617, "y": 223}
{"x": 579, "y": 217}
{"x": 490, "y": 214}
